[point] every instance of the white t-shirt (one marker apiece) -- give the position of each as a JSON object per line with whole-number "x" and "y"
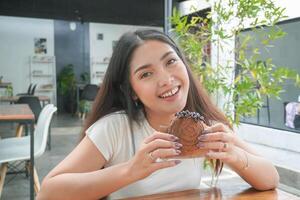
{"x": 112, "y": 136}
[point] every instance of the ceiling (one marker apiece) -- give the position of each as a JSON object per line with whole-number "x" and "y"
{"x": 135, "y": 12}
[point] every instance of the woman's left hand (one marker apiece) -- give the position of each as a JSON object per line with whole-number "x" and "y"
{"x": 221, "y": 143}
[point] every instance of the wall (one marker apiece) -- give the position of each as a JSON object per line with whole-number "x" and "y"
{"x": 17, "y": 44}
{"x": 270, "y": 137}
{"x": 188, "y": 7}
{"x": 102, "y": 49}
{"x": 72, "y": 47}
{"x": 292, "y": 10}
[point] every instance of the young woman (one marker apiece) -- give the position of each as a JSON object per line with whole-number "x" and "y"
{"x": 146, "y": 83}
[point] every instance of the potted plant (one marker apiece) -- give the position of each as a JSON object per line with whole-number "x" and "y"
{"x": 66, "y": 83}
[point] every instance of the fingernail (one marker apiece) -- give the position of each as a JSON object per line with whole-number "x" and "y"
{"x": 177, "y": 162}
{"x": 178, "y": 145}
{"x": 205, "y": 131}
{"x": 177, "y": 152}
{"x": 174, "y": 138}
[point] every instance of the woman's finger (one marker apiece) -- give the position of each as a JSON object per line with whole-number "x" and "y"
{"x": 223, "y": 156}
{"x": 165, "y": 153}
{"x": 161, "y": 143}
{"x": 216, "y": 136}
{"x": 164, "y": 164}
{"x": 218, "y": 127}
{"x": 220, "y": 146}
{"x": 160, "y": 135}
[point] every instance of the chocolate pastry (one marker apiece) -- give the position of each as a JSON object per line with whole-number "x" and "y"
{"x": 188, "y": 126}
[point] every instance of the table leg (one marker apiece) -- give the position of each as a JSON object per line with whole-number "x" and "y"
{"x": 31, "y": 160}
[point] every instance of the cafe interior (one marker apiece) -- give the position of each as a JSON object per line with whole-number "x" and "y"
{"x": 53, "y": 59}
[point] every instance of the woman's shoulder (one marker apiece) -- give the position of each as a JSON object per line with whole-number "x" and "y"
{"x": 117, "y": 115}
{"x": 108, "y": 132}
{"x": 114, "y": 118}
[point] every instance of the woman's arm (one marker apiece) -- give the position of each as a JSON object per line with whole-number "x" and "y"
{"x": 256, "y": 170}
{"x": 237, "y": 154}
{"x": 79, "y": 175}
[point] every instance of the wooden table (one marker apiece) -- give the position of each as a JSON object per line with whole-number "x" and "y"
{"x": 23, "y": 114}
{"x": 218, "y": 194}
{"x": 14, "y": 99}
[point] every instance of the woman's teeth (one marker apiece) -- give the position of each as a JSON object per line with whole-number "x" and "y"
{"x": 170, "y": 93}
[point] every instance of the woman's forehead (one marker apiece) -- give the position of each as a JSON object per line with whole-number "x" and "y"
{"x": 150, "y": 51}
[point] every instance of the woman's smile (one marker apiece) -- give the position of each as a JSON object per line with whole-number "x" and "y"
{"x": 170, "y": 95}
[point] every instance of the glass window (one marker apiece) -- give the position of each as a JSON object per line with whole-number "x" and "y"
{"x": 283, "y": 113}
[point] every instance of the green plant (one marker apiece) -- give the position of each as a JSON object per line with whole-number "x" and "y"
{"x": 85, "y": 106}
{"x": 244, "y": 87}
{"x": 66, "y": 80}
{"x": 9, "y": 90}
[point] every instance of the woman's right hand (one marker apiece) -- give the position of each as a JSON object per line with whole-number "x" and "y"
{"x": 153, "y": 155}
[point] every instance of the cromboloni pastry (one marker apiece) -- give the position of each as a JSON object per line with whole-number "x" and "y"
{"x": 188, "y": 126}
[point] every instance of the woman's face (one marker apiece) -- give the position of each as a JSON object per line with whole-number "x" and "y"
{"x": 159, "y": 78}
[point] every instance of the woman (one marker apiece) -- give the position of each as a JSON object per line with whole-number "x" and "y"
{"x": 146, "y": 83}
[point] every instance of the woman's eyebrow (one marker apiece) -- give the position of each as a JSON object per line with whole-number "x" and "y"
{"x": 141, "y": 68}
{"x": 166, "y": 54}
{"x": 147, "y": 65}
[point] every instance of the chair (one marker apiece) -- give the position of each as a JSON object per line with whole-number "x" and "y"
{"x": 28, "y": 91}
{"x": 87, "y": 97}
{"x": 33, "y": 90}
{"x": 89, "y": 92}
{"x": 18, "y": 149}
{"x": 35, "y": 106}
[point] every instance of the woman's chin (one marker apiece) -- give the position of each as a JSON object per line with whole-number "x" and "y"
{"x": 177, "y": 108}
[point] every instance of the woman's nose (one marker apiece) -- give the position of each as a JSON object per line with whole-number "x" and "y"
{"x": 165, "y": 78}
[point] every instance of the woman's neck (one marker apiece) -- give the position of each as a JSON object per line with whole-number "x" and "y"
{"x": 159, "y": 122}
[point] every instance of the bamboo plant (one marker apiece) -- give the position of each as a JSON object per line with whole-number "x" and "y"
{"x": 243, "y": 82}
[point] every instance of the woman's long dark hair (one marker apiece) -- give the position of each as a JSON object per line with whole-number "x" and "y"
{"x": 116, "y": 93}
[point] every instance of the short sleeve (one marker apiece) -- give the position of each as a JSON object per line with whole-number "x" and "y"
{"x": 103, "y": 133}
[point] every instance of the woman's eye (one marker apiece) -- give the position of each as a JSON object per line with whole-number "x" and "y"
{"x": 145, "y": 75}
{"x": 171, "y": 61}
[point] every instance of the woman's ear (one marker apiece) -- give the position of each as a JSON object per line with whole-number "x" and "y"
{"x": 134, "y": 96}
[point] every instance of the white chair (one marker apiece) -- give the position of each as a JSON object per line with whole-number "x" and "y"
{"x": 18, "y": 149}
